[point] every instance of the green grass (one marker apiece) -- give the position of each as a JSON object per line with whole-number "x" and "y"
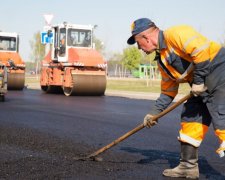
{"x": 140, "y": 85}
{"x": 128, "y": 84}
{"x": 31, "y": 79}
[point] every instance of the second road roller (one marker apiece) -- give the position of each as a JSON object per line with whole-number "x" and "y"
{"x": 72, "y": 65}
{"x": 9, "y": 57}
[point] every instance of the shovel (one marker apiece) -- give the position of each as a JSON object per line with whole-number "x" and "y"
{"x": 138, "y": 128}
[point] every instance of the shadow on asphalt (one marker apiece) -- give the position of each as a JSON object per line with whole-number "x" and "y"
{"x": 173, "y": 159}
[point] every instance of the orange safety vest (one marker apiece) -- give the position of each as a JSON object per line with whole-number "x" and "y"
{"x": 182, "y": 43}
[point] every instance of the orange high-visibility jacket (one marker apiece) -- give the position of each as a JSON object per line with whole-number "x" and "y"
{"x": 185, "y": 57}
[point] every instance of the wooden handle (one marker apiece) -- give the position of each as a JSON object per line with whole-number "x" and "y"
{"x": 141, "y": 126}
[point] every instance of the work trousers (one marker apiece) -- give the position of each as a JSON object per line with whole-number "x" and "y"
{"x": 209, "y": 108}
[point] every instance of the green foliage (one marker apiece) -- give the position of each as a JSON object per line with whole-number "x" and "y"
{"x": 114, "y": 61}
{"x": 37, "y": 49}
{"x": 131, "y": 58}
{"x": 99, "y": 45}
{"x": 30, "y": 66}
{"x": 149, "y": 59}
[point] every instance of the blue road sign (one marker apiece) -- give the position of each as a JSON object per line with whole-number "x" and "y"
{"x": 46, "y": 37}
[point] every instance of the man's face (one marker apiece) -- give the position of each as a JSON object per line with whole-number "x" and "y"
{"x": 147, "y": 42}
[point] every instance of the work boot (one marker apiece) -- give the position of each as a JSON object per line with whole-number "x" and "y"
{"x": 188, "y": 167}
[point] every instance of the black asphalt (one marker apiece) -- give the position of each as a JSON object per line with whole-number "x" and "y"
{"x": 41, "y": 135}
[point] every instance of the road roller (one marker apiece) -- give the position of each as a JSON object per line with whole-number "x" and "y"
{"x": 9, "y": 56}
{"x": 72, "y": 65}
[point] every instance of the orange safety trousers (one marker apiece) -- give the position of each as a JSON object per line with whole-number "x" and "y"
{"x": 197, "y": 115}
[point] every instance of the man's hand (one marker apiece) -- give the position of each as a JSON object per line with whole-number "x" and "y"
{"x": 198, "y": 89}
{"x": 148, "y": 121}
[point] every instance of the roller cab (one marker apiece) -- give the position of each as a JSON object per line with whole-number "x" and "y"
{"x": 9, "y": 57}
{"x": 72, "y": 65}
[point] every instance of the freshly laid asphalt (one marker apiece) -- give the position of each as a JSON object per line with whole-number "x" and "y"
{"x": 41, "y": 136}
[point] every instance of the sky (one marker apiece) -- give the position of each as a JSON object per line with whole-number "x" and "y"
{"x": 113, "y": 18}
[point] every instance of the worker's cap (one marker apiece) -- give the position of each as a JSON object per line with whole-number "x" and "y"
{"x": 139, "y": 26}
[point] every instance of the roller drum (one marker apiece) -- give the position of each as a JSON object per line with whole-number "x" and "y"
{"x": 15, "y": 81}
{"x": 85, "y": 84}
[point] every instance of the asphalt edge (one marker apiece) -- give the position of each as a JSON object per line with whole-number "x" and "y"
{"x": 126, "y": 94}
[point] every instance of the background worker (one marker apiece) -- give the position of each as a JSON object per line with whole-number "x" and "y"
{"x": 62, "y": 45}
{"x": 184, "y": 55}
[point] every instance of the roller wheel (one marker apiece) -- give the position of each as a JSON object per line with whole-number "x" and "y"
{"x": 44, "y": 88}
{"x": 52, "y": 89}
{"x": 92, "y": 85}
{"x": 15, "y": 81}
{"x": 68, "y": 91}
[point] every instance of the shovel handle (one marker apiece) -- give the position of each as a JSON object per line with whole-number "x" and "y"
{"x": 141, "y": 126}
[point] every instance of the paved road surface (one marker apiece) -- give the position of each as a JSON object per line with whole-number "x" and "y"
{"x": 42, "y": 134}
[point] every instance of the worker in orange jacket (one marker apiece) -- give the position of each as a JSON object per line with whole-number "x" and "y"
{"x": 184, "y": 55}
